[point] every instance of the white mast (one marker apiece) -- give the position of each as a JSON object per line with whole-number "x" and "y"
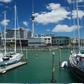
{"x": 19, "y": 34}
{"x": 5, "y": 32}
{"x": 15, "y": 10}
{"x": 78, "y": 27}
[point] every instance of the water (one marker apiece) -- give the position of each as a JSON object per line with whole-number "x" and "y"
{"x": 38, "y": 69}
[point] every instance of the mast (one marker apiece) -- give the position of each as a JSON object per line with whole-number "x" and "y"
{"x": 19, "y": 34}
{"x": 78, "y": 27}
{"x": 73, "y": 23}
{"x": 33, "y": 18}
{"x": 15, "y": 25}
{"x": 5, "y": 33}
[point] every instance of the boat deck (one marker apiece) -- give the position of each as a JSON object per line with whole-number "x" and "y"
{"x": 12, "y": 66}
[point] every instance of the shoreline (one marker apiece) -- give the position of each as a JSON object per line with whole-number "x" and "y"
{"x": 41, "y": 48}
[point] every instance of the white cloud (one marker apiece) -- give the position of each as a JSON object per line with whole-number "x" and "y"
{"x": 5, "y": 22}
{"x": 56, "y": 13}
{"x": 71, "y": 1}
{"x": 36, "y": 14}
{"x": 64, "y": 28}
{"x": 53, "y": 6}
{"x": 25, "y": 23}
{"x": 5, "y": 1}
{"x": 80, "y": 13}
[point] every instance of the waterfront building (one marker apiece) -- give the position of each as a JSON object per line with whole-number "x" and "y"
{"x": 40, "y": 41}
{"x": 75, "y": 42}
{"x": 46, "y": 39}
{"x": 60, "y": 41}
{"x": 22, "y": 36}
{"x": 20, "y": 33}
{"x": 36, "y": 42}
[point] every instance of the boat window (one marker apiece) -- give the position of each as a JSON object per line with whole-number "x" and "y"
{"x": 82, "y": 58}
{"x": 82, "y": 51}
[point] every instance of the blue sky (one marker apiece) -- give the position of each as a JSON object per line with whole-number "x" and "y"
{"x": 51, "y": 16}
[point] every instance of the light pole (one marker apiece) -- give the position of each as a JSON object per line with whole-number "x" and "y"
{"x": 53, "y": 68}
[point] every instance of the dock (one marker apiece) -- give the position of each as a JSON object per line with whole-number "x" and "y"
{"x": 9, "y": 67}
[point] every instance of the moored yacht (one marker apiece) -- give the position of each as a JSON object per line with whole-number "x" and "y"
{"x": 76, "y": 65}
{"x": 76, "y": 59}
{"x": 10, "y": 57}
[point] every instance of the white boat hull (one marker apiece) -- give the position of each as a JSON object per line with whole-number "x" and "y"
{"x": 15, "y": 58}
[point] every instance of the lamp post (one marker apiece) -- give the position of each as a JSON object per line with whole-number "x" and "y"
{"x": 53, "y": 68}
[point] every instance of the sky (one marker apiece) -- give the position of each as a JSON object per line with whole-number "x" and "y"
{"x": 51, "y": 16}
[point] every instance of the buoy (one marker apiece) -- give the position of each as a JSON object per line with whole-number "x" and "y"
{"x": 64, "y": 64}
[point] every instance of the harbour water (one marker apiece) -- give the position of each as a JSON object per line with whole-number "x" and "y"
{"x": 39, "y": 68}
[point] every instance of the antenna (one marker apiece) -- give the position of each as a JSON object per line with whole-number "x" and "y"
{"x": 33, "y": 18}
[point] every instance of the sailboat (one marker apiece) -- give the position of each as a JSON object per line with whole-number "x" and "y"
{"x": 76, "y": 59}
{"x": 10, "y": 57}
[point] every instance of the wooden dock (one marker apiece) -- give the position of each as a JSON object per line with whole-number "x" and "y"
{"x": 12, "y": 66}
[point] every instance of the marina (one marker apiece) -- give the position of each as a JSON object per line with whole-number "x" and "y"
{"x": 42, "y": 44}
{"x": 39, "y": 68}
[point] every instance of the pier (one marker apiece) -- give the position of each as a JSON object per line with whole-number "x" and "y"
{"x": 9, "y": 67}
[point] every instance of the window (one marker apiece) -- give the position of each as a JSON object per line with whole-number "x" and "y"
{"x": 48, "y": 38}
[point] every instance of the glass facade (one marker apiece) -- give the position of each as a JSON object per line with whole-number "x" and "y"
{"x": 20, "y": 33}
{"x": 60, "y": 41}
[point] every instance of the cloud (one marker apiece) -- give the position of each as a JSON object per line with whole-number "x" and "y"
{"x": 55, "y": 14}
{"x": 25, "y": 23}
{"x": 64, "y": 28}
{"x": 5, "y": 22}
{"x": 53, "y": 6}
{"x": 80, "y": 14}
{"x": 71, "y": 1}
{"x": 5, "y": 1}
{"x": 36, "y": 14}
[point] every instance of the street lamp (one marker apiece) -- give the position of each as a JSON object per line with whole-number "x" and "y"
{"x": 53, "y": 68}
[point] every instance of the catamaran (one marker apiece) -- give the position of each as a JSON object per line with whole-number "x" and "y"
{"x": 10, "y": 57}
{"x": 76, "y": 59}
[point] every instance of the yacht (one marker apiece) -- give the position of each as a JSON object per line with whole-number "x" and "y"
{"x": 76, "y": 59}
{"x": 10, "y": 57}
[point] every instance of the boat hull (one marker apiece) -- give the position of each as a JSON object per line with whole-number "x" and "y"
{"x": 12, "y": 61}
{"x": 76, "y": 72}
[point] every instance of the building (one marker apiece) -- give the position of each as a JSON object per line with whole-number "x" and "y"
{"x": 22, "y": 36}
{"x": 46, "y": 39}
{"x": 75, "y": 42}
{"x": 20, "y": 33}
{"x": 60, "y": 41}
{"x": 36, "y": 42}
{"x": 40, "y": 41}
